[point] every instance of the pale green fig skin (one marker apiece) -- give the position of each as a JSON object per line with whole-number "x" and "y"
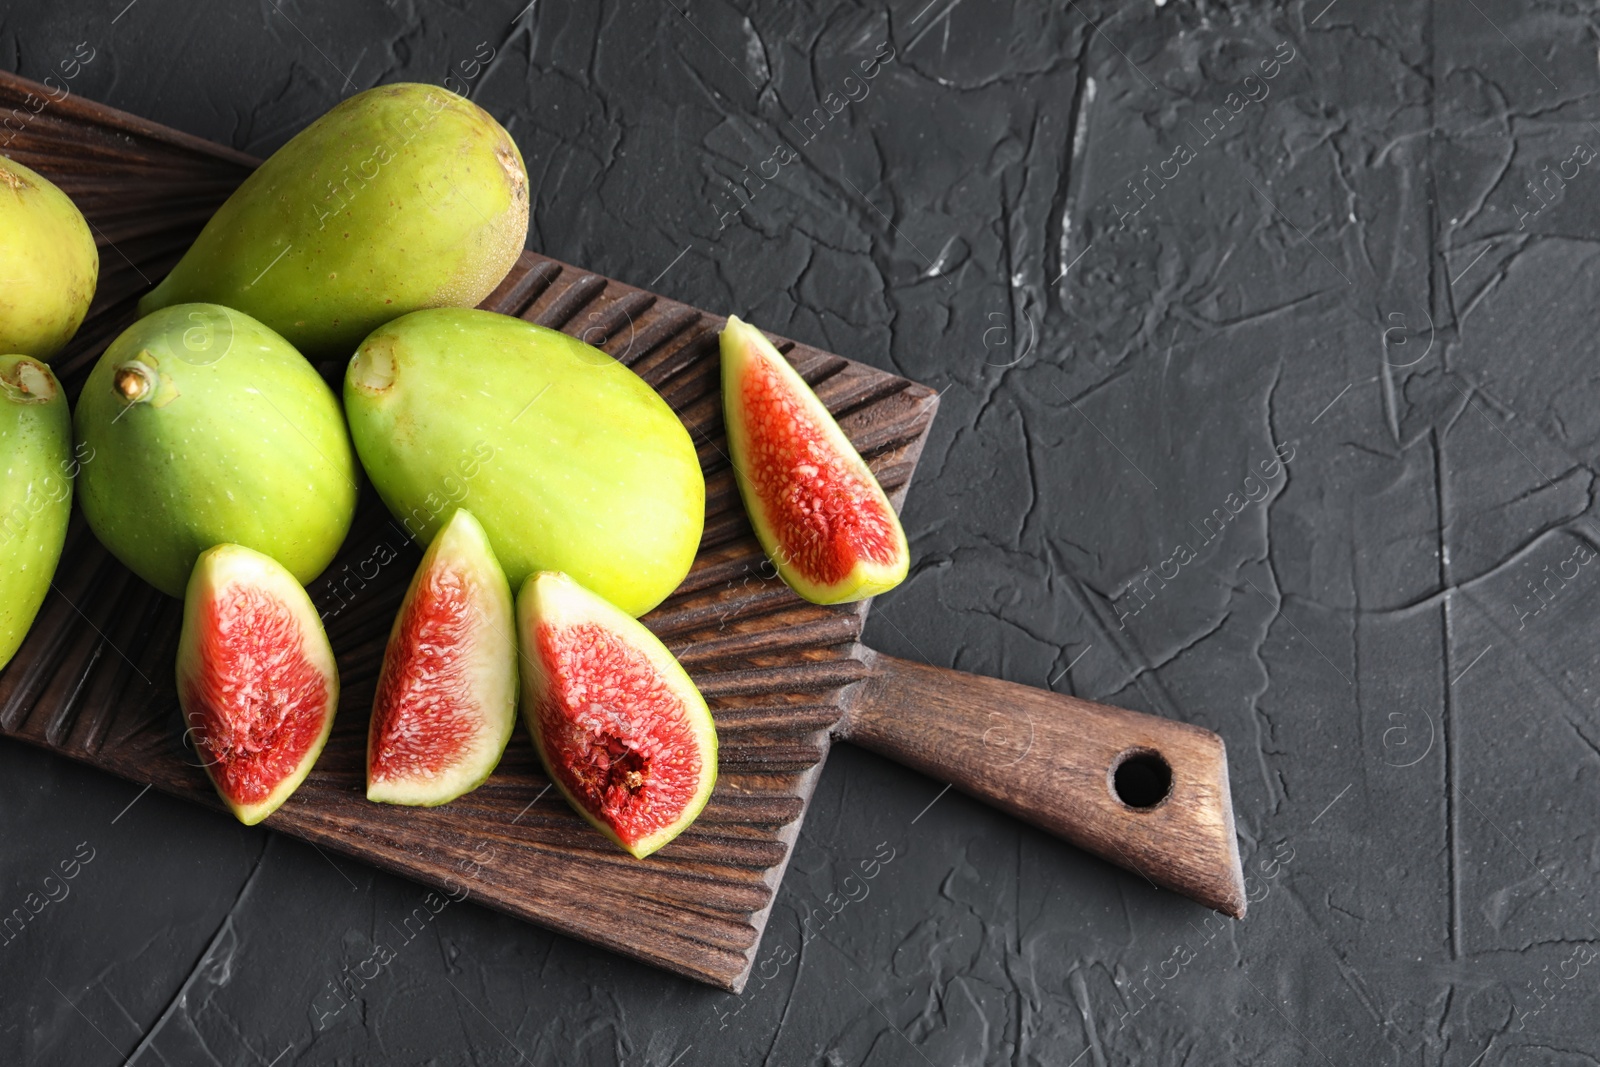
{"x": 237, "y": 440}
{"x": 569, "y": 460}
{"x": 35, "y": 494}
{"x": 463, "y": 546}
{"x": 741, "y": 346}
{"x": 402, "y": 197}
{"x": 214, "y": 572}
{"x": 550, "y": 597}
{"x": 48, "y": 261}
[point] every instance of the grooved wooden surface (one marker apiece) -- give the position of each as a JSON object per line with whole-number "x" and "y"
{"x": 94, "y": 679}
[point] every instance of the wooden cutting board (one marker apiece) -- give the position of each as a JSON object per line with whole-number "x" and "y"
{"x": 94, "y": 680}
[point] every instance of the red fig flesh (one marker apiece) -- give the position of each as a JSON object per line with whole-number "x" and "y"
{"x": 620, "y": 727}
{"x": 447, "y": 693}
{"x": 820, "y": 515}
{"x": 257, "y": 680}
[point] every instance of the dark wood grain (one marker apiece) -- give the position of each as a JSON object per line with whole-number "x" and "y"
{"x": 1052, "y": 760}
{"x": 94, "y": 680}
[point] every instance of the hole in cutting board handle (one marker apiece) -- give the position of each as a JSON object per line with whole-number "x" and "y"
{"x": 1140, "y": 778}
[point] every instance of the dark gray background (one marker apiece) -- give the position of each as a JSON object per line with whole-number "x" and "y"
{"x": 1352, "y": 268}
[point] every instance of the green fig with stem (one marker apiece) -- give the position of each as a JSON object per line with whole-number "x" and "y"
{"x": 401, "y": 197}
{"x": 49, "y": 265}
{"x": 569, "y": 459}
{"x": 208, "y": 428}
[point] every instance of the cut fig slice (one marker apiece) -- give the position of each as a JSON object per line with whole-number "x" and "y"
{"x": 820, "y": 515}
{"x": 621, "y": 729}
{"x": 447, "y": 693}
{"x": 257, "y": 680}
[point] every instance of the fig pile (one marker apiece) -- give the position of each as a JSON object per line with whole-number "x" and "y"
{"x": 557, "y": 496}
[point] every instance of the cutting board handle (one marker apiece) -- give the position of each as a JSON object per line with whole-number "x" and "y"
{"x": 1145, "y": 793}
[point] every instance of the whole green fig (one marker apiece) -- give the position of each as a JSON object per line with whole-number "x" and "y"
{"x": 48, "y": 264}
{"x": 569, "y": 460}
{"x": 36, "y": 495}
{"x": 399, "y": 198}
{"x": 207, "y": 428}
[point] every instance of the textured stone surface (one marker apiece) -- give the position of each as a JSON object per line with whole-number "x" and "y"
{"x": 1351, "y": 272}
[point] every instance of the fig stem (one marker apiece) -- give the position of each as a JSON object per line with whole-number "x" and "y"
{"x": 134, "y": 382}
{"x": 29, "y": 383}
{"x": 373, "y": 368}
